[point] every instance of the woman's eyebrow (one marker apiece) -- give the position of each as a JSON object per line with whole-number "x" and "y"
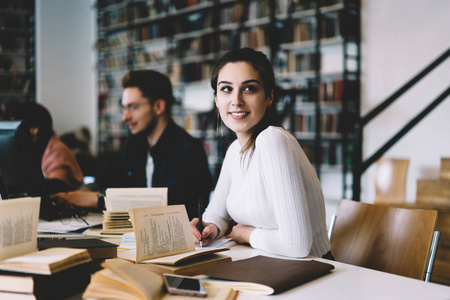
{"x": 251, "y": 81}
{"x": 244, "y": 82}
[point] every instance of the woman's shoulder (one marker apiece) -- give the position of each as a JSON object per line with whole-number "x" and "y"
{"x": 234, "y": 147}
{"x": 275, "y": 134}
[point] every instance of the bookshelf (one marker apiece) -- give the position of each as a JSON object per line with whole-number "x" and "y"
{"x": 313, "y": 45}
{"x": 17, "y": 52}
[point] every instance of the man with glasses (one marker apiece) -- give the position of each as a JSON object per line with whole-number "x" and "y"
{"x": 159, "y": 152}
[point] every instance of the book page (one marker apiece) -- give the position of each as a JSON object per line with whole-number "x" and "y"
{"x": 18, "y": 226}
{"x": 124, "y": 199}
{"x": 124, "y": 280}
{"x": 161, "y": 231}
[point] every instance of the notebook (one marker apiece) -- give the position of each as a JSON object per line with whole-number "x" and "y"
{"x": 278, "y": 274}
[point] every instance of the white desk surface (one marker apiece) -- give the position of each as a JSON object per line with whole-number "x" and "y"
{"x": 345, "y": 282}
{"x": 350, "y": 282}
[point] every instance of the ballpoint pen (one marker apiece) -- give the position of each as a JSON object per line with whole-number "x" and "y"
{"x": 200, "y": 219}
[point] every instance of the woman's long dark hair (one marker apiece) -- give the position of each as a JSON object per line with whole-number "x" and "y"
{"x": 261, "y": 64}
{"x": 33, "y": 115}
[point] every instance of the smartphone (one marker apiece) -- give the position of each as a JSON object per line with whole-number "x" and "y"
{"x": 184, "y": 285}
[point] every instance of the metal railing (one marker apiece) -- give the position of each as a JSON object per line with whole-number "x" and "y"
{"x": 360, "y": 165}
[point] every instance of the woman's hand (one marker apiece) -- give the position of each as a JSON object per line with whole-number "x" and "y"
{"x": 208, "y": 234}
{"x": 241, "y": 234}
{"x": 73, "y": 199}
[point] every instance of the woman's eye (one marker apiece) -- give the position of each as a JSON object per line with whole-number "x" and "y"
{"x": 226, "y": 89}
{"x": 250, "y": 88}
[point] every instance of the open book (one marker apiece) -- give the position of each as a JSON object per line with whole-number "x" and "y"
{"x": 19, "y": 222}
{"x": 163, "y": 237}
{"x": 124, "y": 280}
{"x": 48, "y": 261}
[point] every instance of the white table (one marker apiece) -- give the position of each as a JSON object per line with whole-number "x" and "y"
{"x": 346, "y": 282}
{"x": 350, "y": 282}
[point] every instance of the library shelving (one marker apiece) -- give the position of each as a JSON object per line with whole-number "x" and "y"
{"x": 17, "y": 52}
{"x": 313, "y": 46}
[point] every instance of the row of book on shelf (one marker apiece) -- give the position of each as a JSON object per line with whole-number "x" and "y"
{"x": 193, "y": 20}
{"x": 233, "y": 12}
{"x": 251, "y": 35}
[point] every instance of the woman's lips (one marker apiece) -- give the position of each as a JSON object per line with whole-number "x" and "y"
{"x": 237, "y": 115}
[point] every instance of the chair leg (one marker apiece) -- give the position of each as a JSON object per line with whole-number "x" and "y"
{"x": 432, "y": 255}
{"x": 331, "y": 228}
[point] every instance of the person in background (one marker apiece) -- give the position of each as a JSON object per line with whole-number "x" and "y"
{"x": 268, "y": 194}
{"x": 159, "y": 152}
{"x": 59, "y": 166}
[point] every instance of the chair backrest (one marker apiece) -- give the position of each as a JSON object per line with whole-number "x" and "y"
{"x": 390, "y": 180}
{"x": 384, "y": 238}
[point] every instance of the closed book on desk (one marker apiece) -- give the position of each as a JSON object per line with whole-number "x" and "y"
{"x": 278, "y": 274}
{"x": 16, "y": 285}
{"x": 97, "y": 248}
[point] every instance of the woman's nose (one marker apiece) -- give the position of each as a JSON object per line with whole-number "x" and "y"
{"x": 237, "y": 99}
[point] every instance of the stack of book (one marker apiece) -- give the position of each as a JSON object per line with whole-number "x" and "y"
{"x": 116, "y": 222}
{"x": 116, "y": 219}
{"x": 54, "y": 273}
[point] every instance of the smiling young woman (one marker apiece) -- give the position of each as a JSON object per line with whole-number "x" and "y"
{"x": 268, "y": 193}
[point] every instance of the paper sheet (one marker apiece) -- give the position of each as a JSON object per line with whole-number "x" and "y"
{"x": 67, "y": 225}
{"x": 129, "y": 242}
{"x": 124, "y": 199}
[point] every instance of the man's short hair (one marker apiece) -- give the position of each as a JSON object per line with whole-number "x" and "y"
{"x": 152, "y": 84}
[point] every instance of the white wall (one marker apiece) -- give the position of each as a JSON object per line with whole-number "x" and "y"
{"x": 65, "y": 63}
{"x": 399, "y": 38}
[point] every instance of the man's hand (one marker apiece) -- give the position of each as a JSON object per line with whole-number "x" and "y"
{"x": 74, "y": 199}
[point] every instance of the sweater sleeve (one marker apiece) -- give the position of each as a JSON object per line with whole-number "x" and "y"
{"x": 281, "y": 162}
{"x": 59, "y": 162}
{"x": 216, "y": 212}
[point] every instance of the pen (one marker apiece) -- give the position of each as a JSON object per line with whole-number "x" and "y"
{"x": 200, "y": 219}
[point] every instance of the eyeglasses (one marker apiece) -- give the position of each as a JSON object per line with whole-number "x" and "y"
{"x": 74, "y": 217}
{"x": 131, "y": 108}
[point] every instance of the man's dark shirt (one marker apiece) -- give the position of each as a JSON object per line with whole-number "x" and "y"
{"x": 180, "y": 164}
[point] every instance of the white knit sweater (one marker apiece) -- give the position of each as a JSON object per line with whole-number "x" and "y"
{"x": 278, "y": 193}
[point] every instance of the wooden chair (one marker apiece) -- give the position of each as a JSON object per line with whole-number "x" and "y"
{"x": 384, "y": 238}
{"x": 390, "y": 180}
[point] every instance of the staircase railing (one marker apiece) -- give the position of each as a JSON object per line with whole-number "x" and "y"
{"x": 360, "y": 165}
